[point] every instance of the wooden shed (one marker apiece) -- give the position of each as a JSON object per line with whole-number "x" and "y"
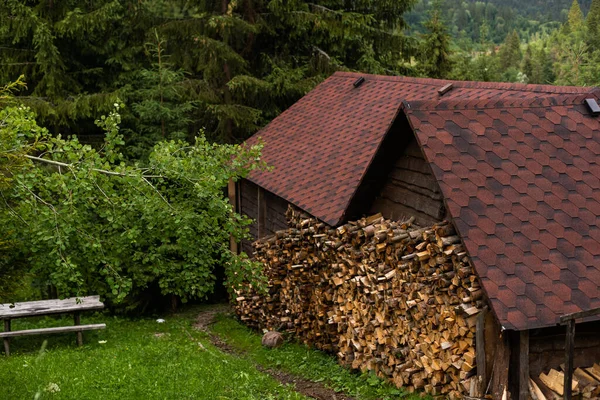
{"x": 514, "y": 167}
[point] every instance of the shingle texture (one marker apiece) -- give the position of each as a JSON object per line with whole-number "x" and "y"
{"x": 518, "y": 166}
{"x": 521, "y": 179}
{"x": 321, "y": 147}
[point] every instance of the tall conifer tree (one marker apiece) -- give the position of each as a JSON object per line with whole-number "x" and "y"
{"x": 435, "y": 46}
{"x": 592, "y": 22}
{"x": 575, "y": 19}
{"x": 527, "y": 67}
{"x": 240, "y": 61}
{"x": 510, "y": 52}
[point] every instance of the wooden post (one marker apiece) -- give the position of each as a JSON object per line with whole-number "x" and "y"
{"x": 7, "y": 340}
{"x": 524, "y": 365}
{"x": 480, "y": 352}
{"x": 569, "y": 320}
{"x": 231, "y": 194}
{"x": 502, "y": 362}
{"x": 77, "y": 318}
{"x": 262, "y": 213}
{"x": 569, "y": 347}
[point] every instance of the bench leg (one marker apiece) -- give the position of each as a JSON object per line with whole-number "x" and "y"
{"x": 7, "y": 340}
{"x": 77, "y": 317}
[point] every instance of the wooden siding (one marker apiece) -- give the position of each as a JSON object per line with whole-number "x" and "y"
{"x": 547, "y": 347}
{"x": 410, "y": 190}
{"x": 274, "y": 218}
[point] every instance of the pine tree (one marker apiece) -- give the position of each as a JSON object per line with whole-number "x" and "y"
{"x": 159, "y": 109}
{"x": 535, "y": 59}
{"x": 575, "y": 19}
{"x": 510, "y": 52}
{"x": 572, "y": 61}
{"x": 70, "y": 53}
{"x": 241, "y": 62}
{"x": 484, "y": 33}
{"x": 592, "y": 22}
{"x": 548, "y": 74}
{"x": 435, "y": 46}
{"x": 527, "y": 66}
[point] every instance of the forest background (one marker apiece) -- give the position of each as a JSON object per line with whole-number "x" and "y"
{"x": 230, "y": 66}
{"x": 181, "y": 83}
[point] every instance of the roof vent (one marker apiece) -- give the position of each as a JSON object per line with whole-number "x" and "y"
{"x": 445, "y": 89}
{"x": 359, "y": 82}
{"x": 593, "y": 106}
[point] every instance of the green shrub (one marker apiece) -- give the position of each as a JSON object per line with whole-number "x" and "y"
{"x": 86, "y": 222}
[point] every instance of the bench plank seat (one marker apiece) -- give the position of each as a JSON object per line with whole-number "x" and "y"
{"x": 73, "y": 305}
{"x": 59, "y": 329}
{"x": 45, "y": 307}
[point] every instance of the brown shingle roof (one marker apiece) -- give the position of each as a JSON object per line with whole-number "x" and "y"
{"x": 321, "y": 147}
{"x": 522, "y": 182}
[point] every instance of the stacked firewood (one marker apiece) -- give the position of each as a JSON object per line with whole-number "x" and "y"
{"x": 386, "y": 296}
{"x": 550, "y": 386}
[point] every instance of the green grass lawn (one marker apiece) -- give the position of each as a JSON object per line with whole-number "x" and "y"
{"x": 143, "y": 359}
{"x": 133, "y": 363}
{"x": 299, "y": 360}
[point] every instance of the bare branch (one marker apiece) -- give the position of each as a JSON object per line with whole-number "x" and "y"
{"x": 158, "y": 192}
{"x": 325, "y": 9}
{"x": 16, "y": 214}
{"x": 321, "y": 52}
{"x": 103, "y": 171}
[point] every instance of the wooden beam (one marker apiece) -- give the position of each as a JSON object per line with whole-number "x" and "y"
{"x": 501, "y": 365}
{"x": 480, "y": 352}
{"x": 7, "y": 340}
{"x": 524, "y": 365}
{"x": 492, "y": 328}
{"x": 445, "y": 89}
{"x": 77, "y": 322}
{"x": 60, "y": 329}
{"x": 569, "y": 348}
{"x": 262, "y": 213}
{"x": 231, "y": 194}
{"x": 578, "y": 315}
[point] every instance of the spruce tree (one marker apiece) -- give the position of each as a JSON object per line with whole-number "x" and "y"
{"x": 240, "y": 62}
{"x": 536, "y": 59}
{"x": 592, "y": 22}
{"x": 575, "y": 19}
{"x": 158, "y": 107}
{"x": 527, "y": 66}
{"x": 510, "y": 52}
{"x": 435, "y": 46}
{"x": 62, "y": 48}
{"x": 548, "y": 74}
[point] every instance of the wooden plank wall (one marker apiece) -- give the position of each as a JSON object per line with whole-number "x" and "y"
{"x": 249, "y": 207}
{"x": 274, "y": 206}
{"x": 411, "y": 190}
{"x": 547, "y": 347}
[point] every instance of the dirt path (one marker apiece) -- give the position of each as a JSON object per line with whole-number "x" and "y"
{"x": 314, "y": 390}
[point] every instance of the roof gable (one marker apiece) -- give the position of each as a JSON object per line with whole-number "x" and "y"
{"x": 322, "y": 146}
{"x": 521, "y": 179}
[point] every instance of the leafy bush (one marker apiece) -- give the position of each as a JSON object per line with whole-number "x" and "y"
{"x": 87, "y": 222}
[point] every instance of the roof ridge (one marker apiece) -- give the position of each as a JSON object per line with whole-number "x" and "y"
{"x": 560, "y": 99}
{"x": 517, "y": 87}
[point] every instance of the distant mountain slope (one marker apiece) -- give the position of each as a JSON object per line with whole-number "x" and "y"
{"x": 552, "y": 10}
{"x": 466, "y": 17}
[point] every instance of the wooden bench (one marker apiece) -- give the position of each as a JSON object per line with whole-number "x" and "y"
{"x": 74, "y": 305}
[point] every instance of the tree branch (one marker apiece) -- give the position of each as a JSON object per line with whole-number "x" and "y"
{"x": 102, "y": 171}
{"x": 321, "y": 52}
